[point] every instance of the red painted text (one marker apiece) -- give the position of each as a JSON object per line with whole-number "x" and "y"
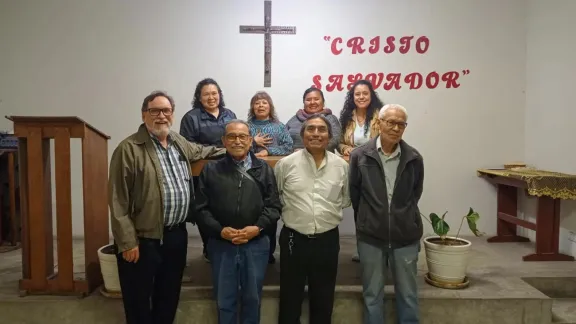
{"x": 393, "y": 81}
{"x": 358, "y": 45}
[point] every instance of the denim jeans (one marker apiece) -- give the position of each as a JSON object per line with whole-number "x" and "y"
{"x": 238, "y": 273}
{"x": 403, "y": 262}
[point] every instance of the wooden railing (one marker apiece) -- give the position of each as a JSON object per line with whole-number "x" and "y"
{"x": 271, "y": 160}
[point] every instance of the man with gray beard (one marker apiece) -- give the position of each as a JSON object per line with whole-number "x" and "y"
{"x": 150, "y": 199}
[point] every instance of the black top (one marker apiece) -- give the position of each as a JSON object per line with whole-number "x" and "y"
{"x": 227, "y": 198}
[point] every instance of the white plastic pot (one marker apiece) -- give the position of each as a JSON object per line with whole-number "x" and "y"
{"x": 109, "y": 268}
{"x": 447, "y": 263}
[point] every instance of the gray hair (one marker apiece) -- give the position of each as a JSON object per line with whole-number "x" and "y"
{"x": 390, "y": 107}
{"x": 235, "y": 121}
{"x": 316, "y": 116}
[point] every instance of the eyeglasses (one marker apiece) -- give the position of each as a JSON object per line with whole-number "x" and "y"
{"x": 233, "y": 137}
{"x": 154, "y": 112}
{"x": 391, "y": 124}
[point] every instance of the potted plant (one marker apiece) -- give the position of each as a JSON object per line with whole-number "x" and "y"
{"x": 109, "y": 268}
{"x": 447, "y": 256}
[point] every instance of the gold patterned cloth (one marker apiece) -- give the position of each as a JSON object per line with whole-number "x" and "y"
{"x": 539, "y": 182}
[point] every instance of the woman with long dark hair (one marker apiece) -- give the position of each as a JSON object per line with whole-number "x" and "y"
{"x": 359, "y": 120}
{"x": 359, "y": 116}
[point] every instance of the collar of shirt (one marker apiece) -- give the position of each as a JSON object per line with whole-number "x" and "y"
{"x": 310, "y": 158}
{"x": 246, "y": 163}
{"x": 396, "y": 152}
{"x": 169, "y": 139}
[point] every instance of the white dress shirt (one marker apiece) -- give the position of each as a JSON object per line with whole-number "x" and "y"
{"x": 312, "y": 198}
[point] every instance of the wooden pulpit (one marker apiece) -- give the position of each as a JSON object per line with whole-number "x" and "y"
{"x": 34, "y": 140}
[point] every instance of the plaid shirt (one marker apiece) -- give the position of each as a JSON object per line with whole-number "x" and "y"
{"x": 176, "y": 181}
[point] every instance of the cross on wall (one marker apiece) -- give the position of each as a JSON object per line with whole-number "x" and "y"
{"x": 268, "y": 30}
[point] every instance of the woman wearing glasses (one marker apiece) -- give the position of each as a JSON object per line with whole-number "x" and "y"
{"x": 205, "y": 122}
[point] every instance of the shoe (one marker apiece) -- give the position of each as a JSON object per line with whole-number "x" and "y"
{"x": 355, "y": 258}
{"x": 271, "y": 260}
{"x": 206, "y": 258}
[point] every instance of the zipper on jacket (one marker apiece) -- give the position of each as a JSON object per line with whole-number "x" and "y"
{"x": 398, "y": 175}
{"x": 238, "y": 200}
{"x": 389, "y": 209}
{"x": 390, "y": 223}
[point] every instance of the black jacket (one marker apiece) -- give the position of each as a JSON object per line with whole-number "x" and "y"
{"x": 226, "y": 198}
{"x": 400, "y": 223}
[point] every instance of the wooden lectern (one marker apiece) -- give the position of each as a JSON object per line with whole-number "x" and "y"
{"x": 34, "y": 135}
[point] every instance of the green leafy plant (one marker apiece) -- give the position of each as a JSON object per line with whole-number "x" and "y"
{"x": 441, "y": 228}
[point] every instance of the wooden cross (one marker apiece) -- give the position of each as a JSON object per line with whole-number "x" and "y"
{"x": 268, "y": 30}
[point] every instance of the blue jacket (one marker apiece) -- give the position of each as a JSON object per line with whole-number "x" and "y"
{"x": 200, "y": 127}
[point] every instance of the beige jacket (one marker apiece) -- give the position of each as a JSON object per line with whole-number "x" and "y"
{"x": 347, "y": 138}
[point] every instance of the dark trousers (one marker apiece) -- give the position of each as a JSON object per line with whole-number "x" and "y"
{"x": 311, "y": 259}
{"x": 203, "y": 232}
{"x": 238, "y": 274}
{"x": 151, "y": 286}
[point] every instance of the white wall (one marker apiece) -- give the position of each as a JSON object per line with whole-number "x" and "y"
{"x": 550, "y": 114}
{"x": 98, "y": 59}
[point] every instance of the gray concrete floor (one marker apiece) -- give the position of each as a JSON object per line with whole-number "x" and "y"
{"x": 496, "y": 271}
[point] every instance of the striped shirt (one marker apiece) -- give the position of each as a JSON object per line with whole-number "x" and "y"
{"x": 176, "y": 182}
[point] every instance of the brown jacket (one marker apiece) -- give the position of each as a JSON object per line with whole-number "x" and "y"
{"x": 135, "y": 191}
{"x": 347, "y": 138}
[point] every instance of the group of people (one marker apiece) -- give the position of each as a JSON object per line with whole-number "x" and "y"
{"x": 238, "y": 198}
{"x": 204, "y": 124}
